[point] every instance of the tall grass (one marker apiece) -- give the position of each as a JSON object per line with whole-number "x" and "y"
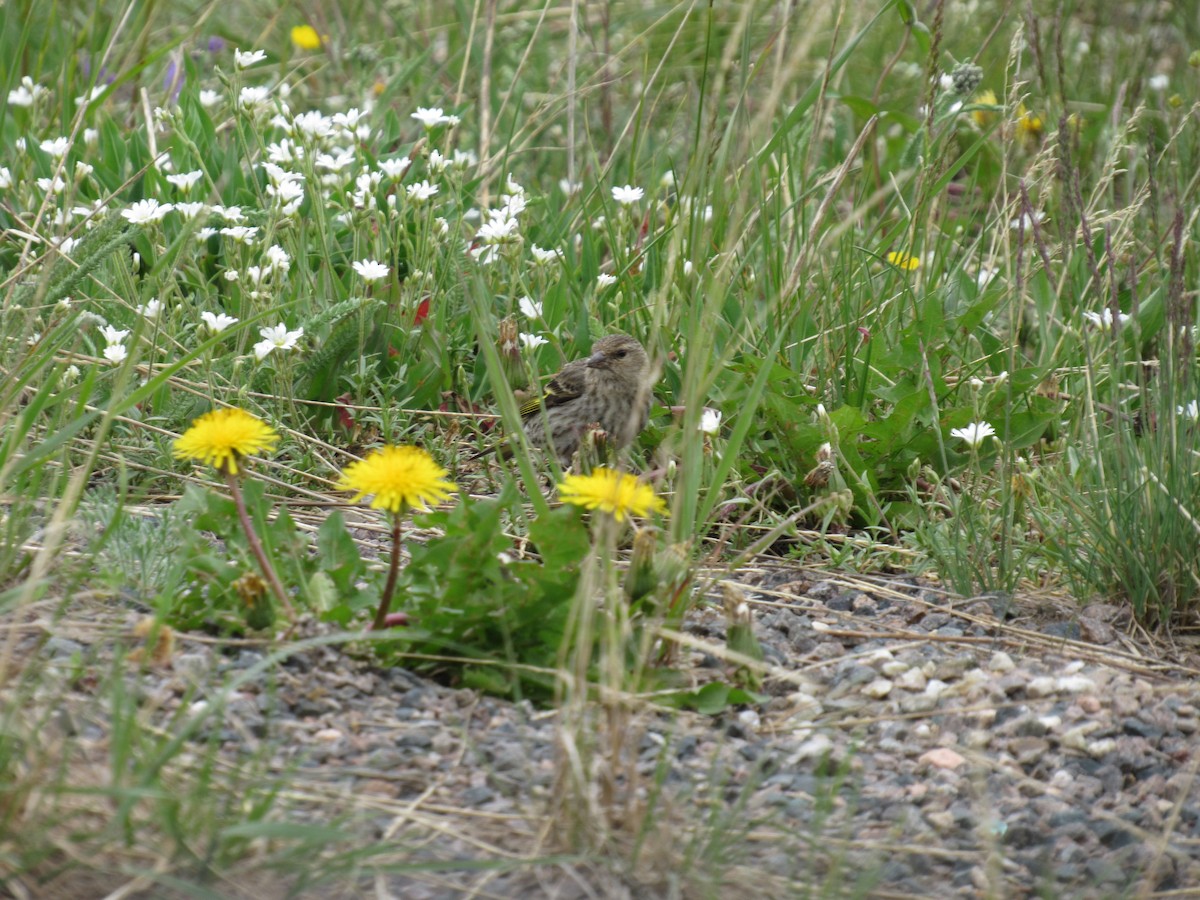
{"x": 836, "y": 250}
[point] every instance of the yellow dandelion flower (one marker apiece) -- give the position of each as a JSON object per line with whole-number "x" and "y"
{"x": 223, "y": 437}
{"x": 984, "y": 117}
{"x": 903, "y": 260}
{"x": 399, "y": 478}
{"x": 1029, "y": 125}
{"x": 305, "y": 37}
{"x": 616, "y": 493}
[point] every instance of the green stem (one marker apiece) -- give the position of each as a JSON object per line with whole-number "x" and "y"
{"x": 385, "y": 602}
{"x": 256, "y": 547}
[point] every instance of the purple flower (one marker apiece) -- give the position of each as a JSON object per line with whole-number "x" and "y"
{"x": 216, "y": 44}
{"x": 173, "y": 80}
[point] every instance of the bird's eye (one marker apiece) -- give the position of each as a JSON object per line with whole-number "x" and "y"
{"x": 621, "y": 354}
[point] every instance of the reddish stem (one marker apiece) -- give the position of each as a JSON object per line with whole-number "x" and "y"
{"x": 256, "y": 546}
{"x": 385, "y": 602}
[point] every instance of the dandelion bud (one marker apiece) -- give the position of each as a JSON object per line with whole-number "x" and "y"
{"x": 642, "y": 577}
{"x": 253, "y": 592}
{"x": 739, "y": 634}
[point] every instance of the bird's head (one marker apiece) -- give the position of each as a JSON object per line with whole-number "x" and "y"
{"x": 619, "y": 354}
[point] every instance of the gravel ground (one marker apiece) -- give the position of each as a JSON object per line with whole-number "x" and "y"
{"x": 912, "y": 746}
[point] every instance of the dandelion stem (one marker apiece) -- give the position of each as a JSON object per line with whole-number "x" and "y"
{"x": 385, "y": 602}
{"x": 256, "y": 546}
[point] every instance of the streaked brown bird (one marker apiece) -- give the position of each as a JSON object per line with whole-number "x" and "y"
{"x": 610, "y": 388}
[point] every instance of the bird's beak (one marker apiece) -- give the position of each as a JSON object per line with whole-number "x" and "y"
{"x": 597, "y": 361}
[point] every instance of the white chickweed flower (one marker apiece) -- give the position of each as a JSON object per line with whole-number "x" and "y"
{"x": 433, "y": 116}
{"x": 530, "y": 307}
{"x": 710, "y": 420}
{"x": 974, "y": 434}
{"x": 152, "y": 308}
{"x": 217, "y": 322}
{"x": 627, "y": 195}
{"x": 248, "y": 58}
{"x": 276, "y": 337}
{"x": 116, "y": 353}
{"x": 145, "y": 211}
{"x": 370, "y": 270}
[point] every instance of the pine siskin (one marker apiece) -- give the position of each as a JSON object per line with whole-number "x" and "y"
{"x": 610, "y": 388}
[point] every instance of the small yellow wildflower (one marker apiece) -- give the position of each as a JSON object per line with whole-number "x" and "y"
{"x": 305, "y": 37}
{"x": 903, "y": 260}
{"x": 984, "y": 117}
{"x": 616, "y": 493}
{"x": 223, "y": 437}
{"x": 400, "y": 478}
{"x": 1029, "y": 125}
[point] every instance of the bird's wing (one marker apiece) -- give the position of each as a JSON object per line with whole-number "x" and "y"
{"x": 563, "y": 388}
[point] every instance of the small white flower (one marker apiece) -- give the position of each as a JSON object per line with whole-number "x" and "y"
{"x": 1190, "y": 411}
{"x": 531, "y": 341}
{"x": 190, "y": 210}
{"x": 276, "y": 337}
{"x": 91, "y": 95}
{"x": 464, "y": 159}
{"x": 204, "y": 234}
{"x": 545, "y": 257}
{"x": 433, "y": 116}
{"x": 437, "y": 162}
{"x": 248, "y": 58}
{"x": 1104, "y": 319}
{"x": 51, "y": 185}
{"x": 287, "y": 197}
{"x": 975, "y": 433}
{"x": 985, "y": 277}
{"x": 6, "y": 179}
{"x": 335, "y": 162}
{"x": 498, "y": 229}
{"x": 185, "y": 181}
{"x": 209, "y": 98}
{"x": 421, "y": 191}
{"x": 116, "y": 353}
{"x": 145, "y": 211}
{"x": 232, "y": 214}
{"x": 25, "y": 93}
{"x": 570, "y": 188}
{"x": 278, "y": 259}
{"x": 241, "y": 233}
{"x": 530, "y": 307}
{"x": 113, "y": 335}
{"x": 627, "y": 195}
{"x": 394, "y": 168}
{"x": 152, "y": 308}
{"x": 57, "y": 147}
{"x": 945, "y": 82}
{"x": 252, "y": 97}
{"x": 370, "y": 270}
{"x": 1026, "y": 221}
{"x": 688, "y": 267}
{"x": 65, "y": 245}
{"x": 1159, "y": 82}
{"x": 314, "y": 124}
{"x": 349, "y": 119}
{"x": 603, "y": 280}
{"x": 217, "y": 322}
{"x": 710, "y": 420}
